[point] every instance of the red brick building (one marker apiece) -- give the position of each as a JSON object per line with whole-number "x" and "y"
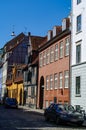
{"x": 54, "y": 64}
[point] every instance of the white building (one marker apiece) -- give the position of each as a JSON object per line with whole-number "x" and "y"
{"x": 78, "y": 54}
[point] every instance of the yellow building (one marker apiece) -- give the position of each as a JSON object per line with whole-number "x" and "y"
{"x": 14, "y": 84}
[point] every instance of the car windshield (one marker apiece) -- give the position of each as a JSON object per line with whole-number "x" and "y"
{"x": 69, "y": 108}
{"x": 61, "y": 107}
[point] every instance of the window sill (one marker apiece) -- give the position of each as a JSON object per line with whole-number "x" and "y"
{"x": 77, "y": 95}
{"x": 78, "y": 32}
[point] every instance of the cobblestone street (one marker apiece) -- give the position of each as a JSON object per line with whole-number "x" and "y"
{"x": 27, "y": 119}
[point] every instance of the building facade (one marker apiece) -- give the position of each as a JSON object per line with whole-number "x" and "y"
{"x": 31, "y": 71}
{"x": 53, "y": 80}
{"x": 14, "y": 53}
{"x": 78, "y": 54}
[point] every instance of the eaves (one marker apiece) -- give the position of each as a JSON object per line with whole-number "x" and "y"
{"x": 55, "y": 39}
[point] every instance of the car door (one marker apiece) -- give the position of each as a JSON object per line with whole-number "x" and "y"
{"x": 53, "y": 112}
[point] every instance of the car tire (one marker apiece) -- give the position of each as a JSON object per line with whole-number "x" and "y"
{"x": 57, "y": 120}
{"x": 80, "y": 123}
{"x": 46, "y": 118}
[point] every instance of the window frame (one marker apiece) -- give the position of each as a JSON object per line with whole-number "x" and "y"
{"x": 56, "y": 52}
{"x": 78, "y": 88}
{"x": 67, "y": 45}
{"x": 78, "y": 2}
{"x": 78, "y": 53}
{"x": 61, "y": 49}
{"x": 60, "y": 80}
{"x": 66, "y": 79}
{"x": 79, "y": 23}
{"x": 55, "y": 81}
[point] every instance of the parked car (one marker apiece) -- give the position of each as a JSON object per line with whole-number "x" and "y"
{"x": 63, "y": 113}
{"x": 1, "y": 100}
{"x": 11, "y": 102}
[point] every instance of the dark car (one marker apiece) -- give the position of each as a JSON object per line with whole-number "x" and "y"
{"x": 63, "y": 113}
{"x": 1, "y": 100}
{"x": 11, "y": 102}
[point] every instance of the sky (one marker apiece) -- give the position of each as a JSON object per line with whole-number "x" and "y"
{"x": 35, "y": 16}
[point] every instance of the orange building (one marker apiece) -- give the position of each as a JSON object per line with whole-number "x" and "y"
{"x": 54, "y": 64}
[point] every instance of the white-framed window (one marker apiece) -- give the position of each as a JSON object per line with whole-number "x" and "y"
{"x": 56, "y": 52}
{"x": 47, "y": 82}
{"x": 60, "y": 80}
{"x": 78, "y": 53}
{"x": 56, "y": 81}
{"x": 78, "y": 29}
{"x": 46, "y": 103}
{"x": 78, "y": 85}
{"x": 40, "y": 61}
{"x": 47, "y": 56}
{"x": 44, "y": 58}
{"x": 51, "y": 81}
{"x": 61, "y": 49}
{"x": 66, "y": 76}
{"x": 67, "y": 42}
{"x": 51, "y": 54}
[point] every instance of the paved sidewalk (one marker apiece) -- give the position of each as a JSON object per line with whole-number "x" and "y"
{"x": 26, "y": 108}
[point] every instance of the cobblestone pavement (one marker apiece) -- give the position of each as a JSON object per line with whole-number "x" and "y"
{"x": 25, "y": 118}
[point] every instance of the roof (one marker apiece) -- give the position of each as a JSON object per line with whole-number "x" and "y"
{"x": 36, "y": 41}
{"x": 10, "y": 44}
{"x": 59, "y": 36}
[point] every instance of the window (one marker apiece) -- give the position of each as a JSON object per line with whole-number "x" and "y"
{"x": 40, "y": 60}
{"x": 56, "y": 52}
{"x": 66, "y": 79}
{"x": 78, "y": 85}
{"x": 48, "y": 56}
{"x": 78, "y": 1}
{"x": 51, "y": 81}
{"x": 61, "y": 49}
{"x": 67, "y": 47}
{"x": 44, "y": 58}
{"x": 79, "y": 23}
{"x": 51, "y": 54}
{"x": 78, "y": 53}
{"x": 60, "y": 80}
{"x": 46, "y": 104}
{"x": 56, "y": 81}
{"x": 47, "y": 82}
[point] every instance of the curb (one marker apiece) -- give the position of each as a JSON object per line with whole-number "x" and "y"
{"x": 26, "y": 108}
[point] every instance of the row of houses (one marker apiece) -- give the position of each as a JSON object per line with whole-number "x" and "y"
{"x": 40, "y": 70}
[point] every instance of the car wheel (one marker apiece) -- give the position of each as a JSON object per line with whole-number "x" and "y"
{"x": 79, "y": 123}
{"x": 57, "y": 120}
{"x": 46, "y": 118}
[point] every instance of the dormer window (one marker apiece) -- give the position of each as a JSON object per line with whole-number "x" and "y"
{"x": 49, "y": 35}
{"x": 54, "y": 31}
{"x": 64, "y": 24}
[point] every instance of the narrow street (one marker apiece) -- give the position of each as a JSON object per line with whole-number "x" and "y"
{"x": 20, "y": 119}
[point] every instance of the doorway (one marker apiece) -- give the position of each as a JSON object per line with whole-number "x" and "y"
{"x": 41, "y": 97}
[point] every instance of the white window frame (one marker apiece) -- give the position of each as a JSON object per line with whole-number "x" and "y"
{"x": 60, "y": 80}
{"x": 55, "y": 80}
{"x": 61, "y": 50}
{"x": 56, "y": 52}
{"x": 67, "y": 42}
{"x": 66, "y": 77}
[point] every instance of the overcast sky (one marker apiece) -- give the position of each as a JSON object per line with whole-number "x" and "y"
{"x": 35, "y": 16}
